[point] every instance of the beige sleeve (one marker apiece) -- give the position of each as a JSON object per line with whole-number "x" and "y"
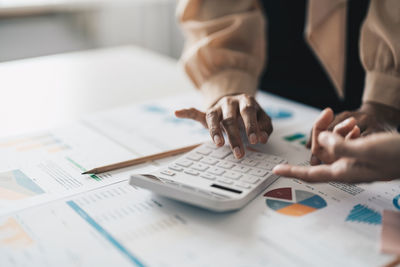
{"x": 380, "y": 52}
{"x": 225, "y": 45}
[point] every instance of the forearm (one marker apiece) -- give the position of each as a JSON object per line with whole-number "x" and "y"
{"x": 380, "y": 54}
{"x": 225, "y": 46}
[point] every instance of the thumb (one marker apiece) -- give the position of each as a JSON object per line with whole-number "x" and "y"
{"x": 192, "y": 113}
{"x": 321, "y": 124}
{"x": 324, "y": 119}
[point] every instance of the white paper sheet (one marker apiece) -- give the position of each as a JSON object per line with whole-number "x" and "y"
{"x": 41, "y": 167}
{"x": 119, "y": 224}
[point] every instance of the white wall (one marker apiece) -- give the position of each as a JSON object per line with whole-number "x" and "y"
{"x": 150, "y": 24}
{"x": 41, "y": 35}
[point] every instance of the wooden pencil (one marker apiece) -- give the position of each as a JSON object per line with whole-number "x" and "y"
{"x": 394, "y": 263}
{"x": 141, "y": 160}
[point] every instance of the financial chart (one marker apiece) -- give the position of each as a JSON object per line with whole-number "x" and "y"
{"x": 291, "y": 202}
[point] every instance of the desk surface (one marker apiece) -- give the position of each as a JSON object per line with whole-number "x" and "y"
{"x": 49, "y": 91}
{"x": 338, "y": 226}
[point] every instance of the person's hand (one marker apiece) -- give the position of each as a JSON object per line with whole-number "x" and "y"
{"x": 370, "y": 118}
{"x": 365, "y": 159}
{"x": 227, "y": 114}
{"x": 346, "y": 128}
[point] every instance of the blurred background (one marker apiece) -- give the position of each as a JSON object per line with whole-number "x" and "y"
{"x": 125, "y": 43}
{"x": 32, "y": 28}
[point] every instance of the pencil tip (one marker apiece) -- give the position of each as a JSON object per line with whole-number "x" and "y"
{"x": 86, "y": 172}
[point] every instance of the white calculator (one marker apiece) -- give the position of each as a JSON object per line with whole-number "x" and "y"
{"x": 212, "y": 178}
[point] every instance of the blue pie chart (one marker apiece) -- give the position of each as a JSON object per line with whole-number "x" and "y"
{"x": 396, "y": 202}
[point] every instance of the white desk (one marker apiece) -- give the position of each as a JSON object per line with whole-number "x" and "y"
{"x": 49, "y": 91}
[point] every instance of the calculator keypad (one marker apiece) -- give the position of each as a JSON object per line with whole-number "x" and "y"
{"x": 218, "y": 165}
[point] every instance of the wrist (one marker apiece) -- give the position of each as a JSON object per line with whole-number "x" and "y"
{"x": 227, "y": 95}
{"x": 226, "y": 83}
{"x": 382, "y": 112}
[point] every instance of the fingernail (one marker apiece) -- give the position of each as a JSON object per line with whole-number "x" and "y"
{"x": 253, "y": 138}
{"x": 217, "y": 139}
{"x": 236, "y": 152}
{"x": 277, "y": 169}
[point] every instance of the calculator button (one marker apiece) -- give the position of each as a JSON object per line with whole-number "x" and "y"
{"x": 191, "y": 172}
{"x": 200, "y": 166}
{"x": 275, "y": 159}
{"x": 170, "y": 182}
{"x": 194, "y": 157}
{"x": 257, "y": 156}
{"x": 207, "y": 176}
{"x": 210, "y": 145}
{"x": 221, "y": 152}
{"x": 216, "y": 171}
{"x": 168, "y": 172}
{"x": 242, "y": 169}
{"x": 258, "y": 172}
{"x": 232, "y": 158}
{"x": 225, "y": 181}
{"x": 232, "y": 175}
{"x": 204, "y": 151}
{"x": 226, "y": 165}
{"x": 250, "y": 162}
{"x": 210, "y": 161}
{"x": 250, "y": 180}
{"x": 243, "y": 185}
{"x": 266, "y": 165}
{"x": 184, "y": 163}
{"x": 175, "y": 167}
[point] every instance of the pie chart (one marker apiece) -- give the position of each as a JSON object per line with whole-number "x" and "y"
{"x": 278, "y": 113}
{"x": 293, "y": 202}
{"x": 396, "y": 202}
